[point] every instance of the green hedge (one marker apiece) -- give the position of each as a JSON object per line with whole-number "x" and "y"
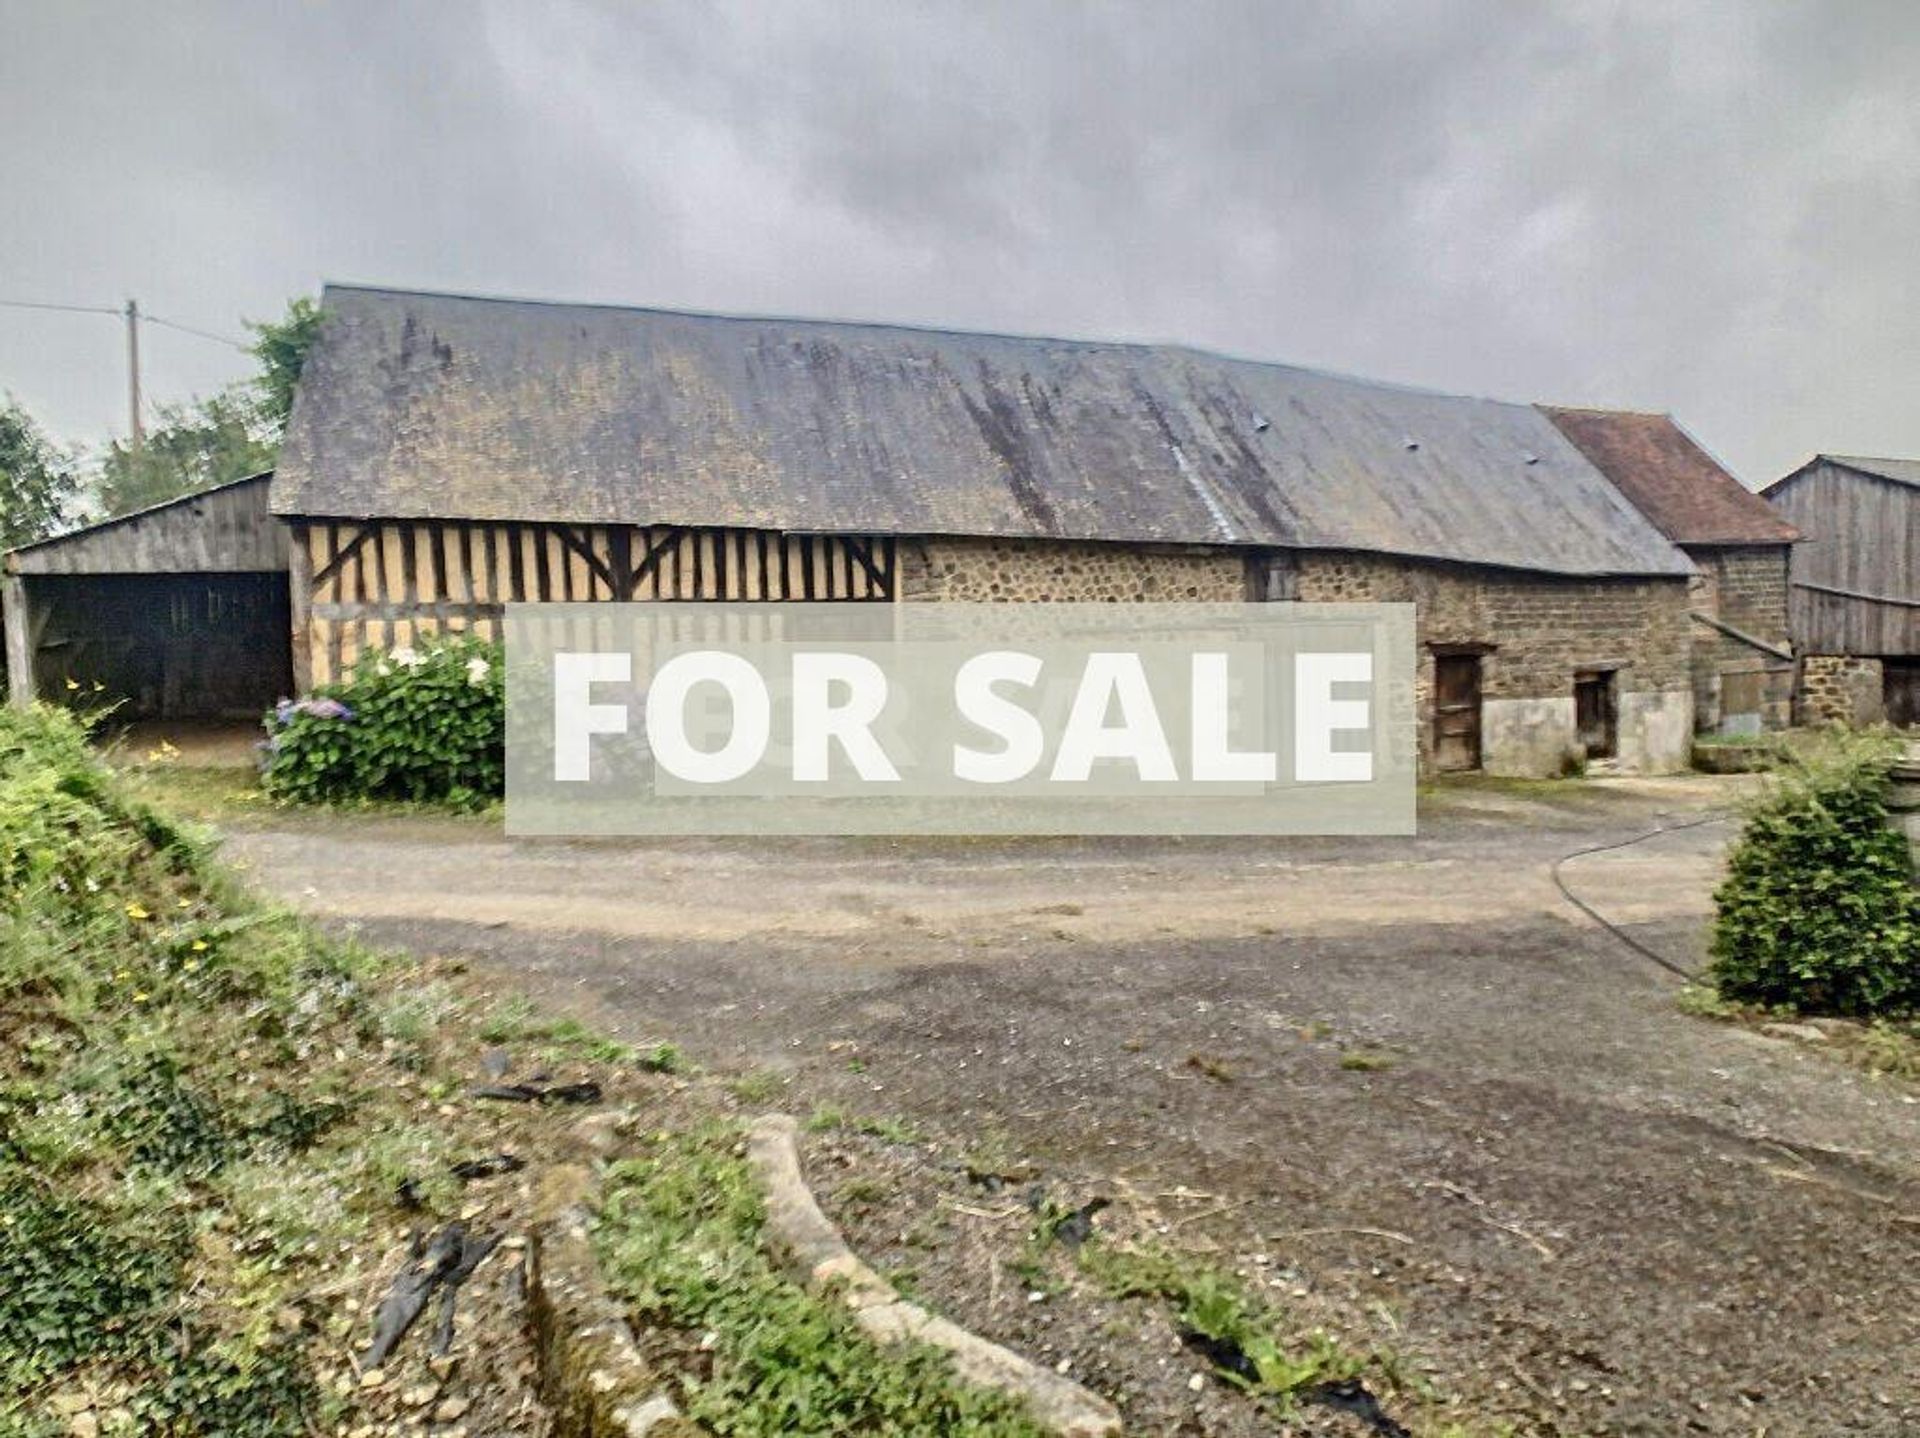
{"x": 425, "y": 724}
{"x": 1819, "y": 911}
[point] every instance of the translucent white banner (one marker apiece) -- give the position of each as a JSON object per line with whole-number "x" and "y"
{"x": 849, "y": 718}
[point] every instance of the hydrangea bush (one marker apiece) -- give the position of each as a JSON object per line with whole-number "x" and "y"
{"x": 425, "y": 724}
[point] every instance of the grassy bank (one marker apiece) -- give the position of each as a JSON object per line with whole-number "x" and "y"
{"x": 223, "y": 1134}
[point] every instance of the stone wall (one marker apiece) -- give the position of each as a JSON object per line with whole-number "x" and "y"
{"x": 1840, "y": 689}
{"x": 1533, "y": 632}
{"x": 1738, "y": 687}
{"x": 1056, "y": 571}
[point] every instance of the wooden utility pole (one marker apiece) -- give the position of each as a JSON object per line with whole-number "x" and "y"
{"x": 133, "y": 376}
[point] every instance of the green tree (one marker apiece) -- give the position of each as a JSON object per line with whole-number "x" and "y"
{"x": 38, "y": 486}
{"x": 281, "y": 347}
{"x": 224, "y": 437}
{"x": 194, "y": 446}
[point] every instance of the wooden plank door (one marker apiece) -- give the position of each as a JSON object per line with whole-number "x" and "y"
{"x": 1456, "y": 712}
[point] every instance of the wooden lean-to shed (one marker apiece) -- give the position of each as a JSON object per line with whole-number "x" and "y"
{"x": 1855, "y": 608}
{"x": 176, "y": 612}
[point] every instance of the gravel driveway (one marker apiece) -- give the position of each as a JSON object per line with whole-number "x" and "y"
{"x": 1605, "y": 1214}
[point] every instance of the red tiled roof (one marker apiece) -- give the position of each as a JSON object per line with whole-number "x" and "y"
{"x": 1670, "y": 479}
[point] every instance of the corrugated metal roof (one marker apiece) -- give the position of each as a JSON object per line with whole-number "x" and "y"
{"x": 1688, "y": 495}
{"x": 424, "y": 405}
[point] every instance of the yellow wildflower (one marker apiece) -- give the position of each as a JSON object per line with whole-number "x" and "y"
{"x": 73, "y": 684}
{"x": 134, "y": 911}
{"x": 140, "y": 998}
{"x": 199, "y": 946}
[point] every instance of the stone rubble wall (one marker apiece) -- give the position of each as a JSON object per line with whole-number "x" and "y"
{"x": 1736, "y": 686}
{"x": 989, "y": 571}
{"x": 1535, "y": 630}
{"x": 1840, "y": 689}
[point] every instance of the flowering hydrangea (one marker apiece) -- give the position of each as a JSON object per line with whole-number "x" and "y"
{"x": 321, "y": 708}
{"x": 429, "y": 725}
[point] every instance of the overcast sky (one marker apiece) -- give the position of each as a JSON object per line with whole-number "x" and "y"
{"x": 1712, "y": 209}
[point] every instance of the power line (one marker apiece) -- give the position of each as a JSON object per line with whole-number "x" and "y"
{"x": 118, "y": 312}
{"x": 115, "y": 311}
{"x": 227, "y": 340}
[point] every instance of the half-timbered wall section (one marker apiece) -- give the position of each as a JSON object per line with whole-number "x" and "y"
{"x": 375, "y": 584}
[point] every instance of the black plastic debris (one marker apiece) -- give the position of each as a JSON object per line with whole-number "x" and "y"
{"x": 492, "y": 1166}
{"x": 1350, "y": 1395}
{"x": 406, "y": 1194}
{"x": 586, "y": 1091}
{"x": 446, "y": 1262}
{"x": 473, "y": 1252}
{"x": 1223, "y": 1353}
{"x": 408, "y": 1294}
{"x": 1076, "y": 1228}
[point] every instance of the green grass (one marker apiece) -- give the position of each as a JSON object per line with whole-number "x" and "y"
{"x": 1366, "y": 1061}
{"x": 1217, "y": 1306}
{"x": 679, "y": 1239}
{"x": 1882, "y": 1046}
{"x": 828, "y": 1117}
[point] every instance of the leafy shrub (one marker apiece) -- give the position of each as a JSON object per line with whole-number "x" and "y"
{"x": 1818, "y": 911}
{"x": 425, "y": 724}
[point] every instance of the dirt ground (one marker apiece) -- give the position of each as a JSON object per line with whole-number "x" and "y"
{"x": 1406, "y": 1072}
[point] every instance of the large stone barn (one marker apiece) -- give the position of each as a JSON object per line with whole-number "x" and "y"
{"x": 450, "y": 454}
{"x": 1743, "y": 669}
{"x": 1855, "y": 608}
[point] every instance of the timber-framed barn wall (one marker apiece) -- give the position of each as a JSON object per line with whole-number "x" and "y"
{"x": 362, "y": 585}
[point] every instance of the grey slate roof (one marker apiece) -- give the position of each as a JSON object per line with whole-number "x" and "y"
{"x": 424, "y": 405}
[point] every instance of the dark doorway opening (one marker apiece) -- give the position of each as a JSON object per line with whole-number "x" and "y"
{"x": 1456, "y": 712}
{"x": 1596, "y": 719}
{"x": 163, "y": 646}
{"x": 1902, "y": 691}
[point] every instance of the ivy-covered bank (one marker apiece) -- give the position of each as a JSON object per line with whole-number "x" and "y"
{"x": 230, "y": 1145}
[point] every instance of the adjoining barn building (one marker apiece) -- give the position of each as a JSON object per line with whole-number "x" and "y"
{"x": 448, "y": 455}
{"x": 1742, "y": 650}
{"x": 178, "y": 611}
{"x": 1855, "y": 608}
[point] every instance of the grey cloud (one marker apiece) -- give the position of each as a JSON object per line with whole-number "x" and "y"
{"x": 1705, "y": 209}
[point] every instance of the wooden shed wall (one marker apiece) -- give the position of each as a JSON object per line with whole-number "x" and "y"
{"x": 224, "y": 531}
{"x": 1856, "y": 572}
{"x": 362, "y": 585}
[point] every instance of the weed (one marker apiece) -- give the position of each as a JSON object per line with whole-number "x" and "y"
{"x": 1365, "y": 1061}
{"x": 1238, "y": 1331}
{"x": 679, "y": 1238}
{"x": 665, "y": 1059}
{"x": 758, "y": 1086}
